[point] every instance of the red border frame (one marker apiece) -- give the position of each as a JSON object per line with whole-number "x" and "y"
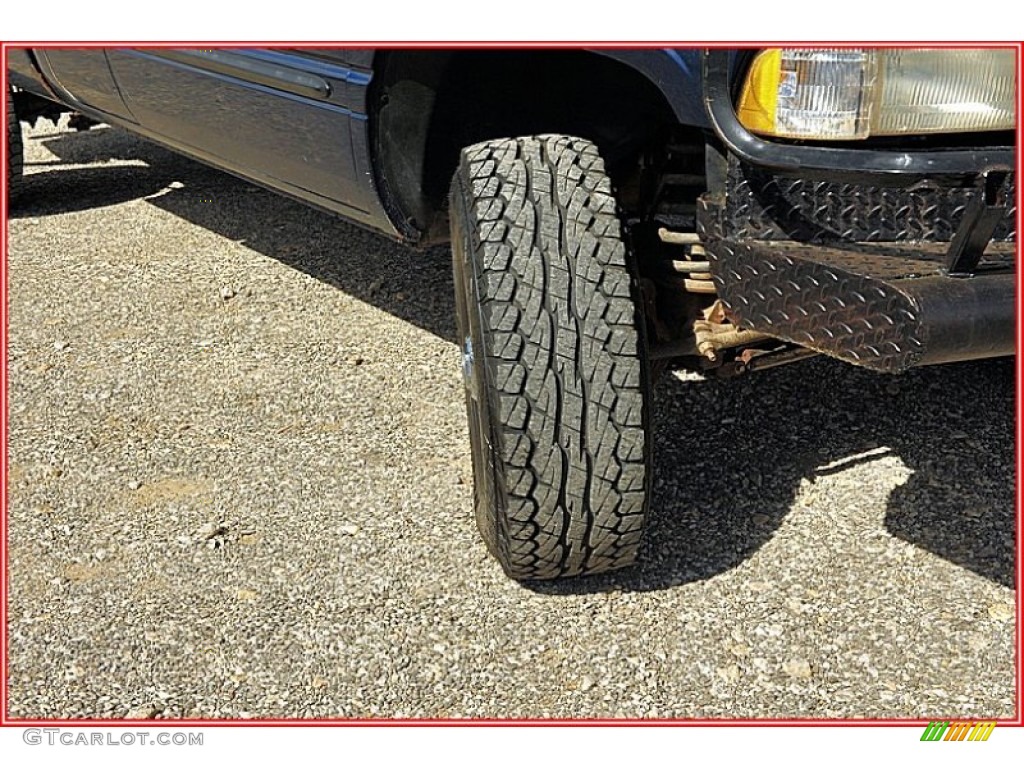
{"x": 6, "y": 721}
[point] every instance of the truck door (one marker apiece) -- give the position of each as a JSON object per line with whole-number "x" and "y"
{"x": 283, "y": 117}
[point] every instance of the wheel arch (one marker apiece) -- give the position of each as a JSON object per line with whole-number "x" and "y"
{"x": 426, "y": 105}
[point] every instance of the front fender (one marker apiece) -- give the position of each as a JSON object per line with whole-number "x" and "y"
{"x": 676, "y": 72}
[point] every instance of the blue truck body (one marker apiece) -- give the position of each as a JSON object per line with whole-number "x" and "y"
{"x": 297, "y": 121}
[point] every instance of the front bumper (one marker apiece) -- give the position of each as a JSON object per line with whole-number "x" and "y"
{"x": 884, "y": 259}
{"x": 888, "y": 307}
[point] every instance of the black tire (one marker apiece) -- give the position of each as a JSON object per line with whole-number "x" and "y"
{"x": 15, "y": 156}
{"x": 553, "y": 358}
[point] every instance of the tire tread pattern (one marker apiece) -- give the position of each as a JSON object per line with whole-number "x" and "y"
{"x": 563, "y": 353}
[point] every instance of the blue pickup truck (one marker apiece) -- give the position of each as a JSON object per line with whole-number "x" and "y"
{"x": 612, "y": 214}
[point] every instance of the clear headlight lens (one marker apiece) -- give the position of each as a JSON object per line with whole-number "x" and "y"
{"x": 856, "y": 93}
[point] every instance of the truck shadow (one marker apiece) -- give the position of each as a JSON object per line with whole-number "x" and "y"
{"x": 64, "y": 186}
{"x": 731, "y": 458}
{"x": 69, "y": 190}
{"x": 360, "y": 263}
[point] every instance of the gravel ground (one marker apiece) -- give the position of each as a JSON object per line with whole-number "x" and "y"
{"x": 240, "y": 486}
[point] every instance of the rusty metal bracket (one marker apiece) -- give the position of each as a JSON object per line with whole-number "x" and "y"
{"x": 982, "y": 216}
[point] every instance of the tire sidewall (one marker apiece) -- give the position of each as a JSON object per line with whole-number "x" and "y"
{"x": 480, "y": 408}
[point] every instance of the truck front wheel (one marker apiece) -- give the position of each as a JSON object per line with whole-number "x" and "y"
{"x": 554, "y": 362}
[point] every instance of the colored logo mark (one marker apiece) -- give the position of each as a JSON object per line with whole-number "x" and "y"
{"x": 963, "y": 730}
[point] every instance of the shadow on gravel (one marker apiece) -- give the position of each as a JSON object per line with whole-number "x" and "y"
{"x": 729, "y": 456}
{"x": 415, "y": 286}
{"x": 98, "y": 145}
{"x": 80, "y": 189}
{"x": 720, "y": 493}
{"x": 57, "y": 190}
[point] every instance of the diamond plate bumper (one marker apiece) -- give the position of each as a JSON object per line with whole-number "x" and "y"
{"x": 766, "y": 206}
{"x": 884, "y": 306}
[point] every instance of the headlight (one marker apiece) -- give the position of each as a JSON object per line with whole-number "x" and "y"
{"x": 852, "y": 94}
